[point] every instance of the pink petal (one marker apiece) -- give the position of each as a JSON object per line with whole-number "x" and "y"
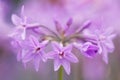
{"x": 43, "y": 57}
{"x": 84, "y": 26}
{"x": 72, "y": 58}
{"x": 22, "y": 10}
{"x": 57, "y": 64}
{"x": 27, "y": 57}
{"x": 105, "y": 55}
{"x": 23, "y": 34}
{"x": 51, "y": 55}
{"x": 58, "y": 27}
{"x": 109, "y": 45}
{"x": 57, "y": 46}
{"x": 43, "y": 43}
{"x": 16, "y": 20}
{"x": 67, "y": 48}
{"x": 112, "y": 36}
{"x": 69, "y": 23}
{"x": 100, "y": 48}
{"x": 36, "y": 63}
{"x": 24, "y": 20}
{"x": 34, "y": 41}
{"x": 66, "y": 66}
{"x": 23, "y": 17}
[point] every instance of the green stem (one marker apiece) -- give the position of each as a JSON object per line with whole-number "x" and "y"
{"x": 60, "y": 74}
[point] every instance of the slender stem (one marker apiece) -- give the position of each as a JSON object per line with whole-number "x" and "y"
{"x": 60, "y": 74}
{"x": 49, "y": 30}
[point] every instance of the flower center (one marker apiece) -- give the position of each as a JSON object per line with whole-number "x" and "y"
{"x": 37, "y": 50}
{"x": 24, "y": 25}
{"x": 101, "y": 37}
{"x": 61, "y": 55}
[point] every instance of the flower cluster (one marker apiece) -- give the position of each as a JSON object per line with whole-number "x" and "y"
{"x": 31, "y": 40}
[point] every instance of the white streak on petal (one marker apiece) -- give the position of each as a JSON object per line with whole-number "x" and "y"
{"x": 57, "y": 65}
{"x": 66, "y": 66}
{"x": 16, "y": 20}
{"x": 24, "y": 34}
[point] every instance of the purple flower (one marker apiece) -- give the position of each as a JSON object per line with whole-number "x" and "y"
{"x": 105, "y": 43}
{"x": 33, "y": 50}
{"x": 103, "y": 38}
{"x": 89, "y": 49}
{"x": 17, "y": 42}
{"x": 22, "y": 23}
{"x": 62, "y": 30}
{"x": 62, "y": 57}
{"x": 16, "y": 45}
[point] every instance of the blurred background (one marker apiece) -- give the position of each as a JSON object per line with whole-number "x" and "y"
{"x": 44, "y": 12}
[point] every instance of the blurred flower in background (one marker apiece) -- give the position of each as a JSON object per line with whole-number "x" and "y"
{"x": 46, "y": 12}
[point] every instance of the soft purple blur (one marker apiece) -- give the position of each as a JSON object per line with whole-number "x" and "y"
{"x": 46, "y": 12}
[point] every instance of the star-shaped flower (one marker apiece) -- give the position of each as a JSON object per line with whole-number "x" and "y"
{"x": 22, "y": 23}
{"x": 62, "y": 57}
{"x": 34, "y": 50}
{"x": 105, "y": 43}
{"x": 103, "y": 38}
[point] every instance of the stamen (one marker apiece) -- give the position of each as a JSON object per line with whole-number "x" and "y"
{"x": 61, "y": 55}
{"x": 37, "y": 49}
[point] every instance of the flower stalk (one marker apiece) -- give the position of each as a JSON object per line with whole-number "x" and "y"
{"x": 60, "y": 73}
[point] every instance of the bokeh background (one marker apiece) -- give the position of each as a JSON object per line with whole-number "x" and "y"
{"x": 44, "y": 11}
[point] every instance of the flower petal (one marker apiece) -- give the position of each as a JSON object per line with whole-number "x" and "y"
{"x": 56, "y": 46}
{"x": 51, "y": 55}
{"x": 100, "y": 48}
{"x": 105, "y": 55}
{"x": 109, "y": 45}
{"x": 43, "y": 43}
{"x": 89, "y": 49}
{"x": 58, "y": 27}
{"x": 34, "y": 41}
{"x": 27, "y": 57}
{"x": 66, "y": 66}
{"x": 23, "y": 34}
{"x": 67, "y": 48}
{"x": 112, "y": 36}
{"x": 57, "y": 64}
{"x": 69, "y": 22}
{"x": 16, "y": 20}
{"x": 43, "y": 57}
{"x": 84, "y": 26}
{"x": 71, "y": 57}
{"x": 22, "y": 10}
{"x": 36, "y": 62}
